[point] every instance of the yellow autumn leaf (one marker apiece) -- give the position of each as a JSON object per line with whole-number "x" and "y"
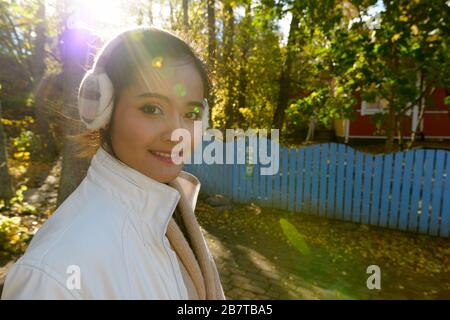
{"x": 414, "y": 30}
{"x": 14, "y": 239}
{"x": 433, "y": 37}
{"x": 395, "y": 37}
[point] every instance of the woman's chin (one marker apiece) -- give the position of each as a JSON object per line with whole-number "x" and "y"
{"x": 162, "y": 169}
{"x": 164, "y": 174}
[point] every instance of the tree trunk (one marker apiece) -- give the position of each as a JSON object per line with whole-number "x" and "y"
{"x": 228, "y": 63}
{"x": 211, "y": 33}
{"x": 186, "y": 14}
{"x": 285, "y": 83}
{"x": 211, "y": 48}
{"x": 39, "y": 44}
{"x": 43, "y": 129}
{"x": 41, "y": 113}
{"x": 424, "y": 91}
{"x": 399, "y": 128}
{"x": 311, "y": 129}
{"x": 243, "y": 76}
{"x": 390, "y": 124}
{"x": 150, "y": 12}
{"x": 140, "y": 17}
{"x": 75, "y": 55}
{"x": 6, "y": 189}
{"x": 171, "y": 15}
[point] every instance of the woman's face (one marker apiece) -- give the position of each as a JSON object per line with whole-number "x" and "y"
{"x": 166, "y": 95}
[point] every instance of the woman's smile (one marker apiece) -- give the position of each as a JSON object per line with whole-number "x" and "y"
{"x": 164, "y": 156}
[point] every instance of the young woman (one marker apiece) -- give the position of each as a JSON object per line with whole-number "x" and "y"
{"x": 129, "y": 230}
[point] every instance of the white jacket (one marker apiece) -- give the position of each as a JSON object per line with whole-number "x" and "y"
{"x": 106, "y": 240}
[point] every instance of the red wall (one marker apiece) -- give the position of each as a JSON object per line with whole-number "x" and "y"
{"x": 438, "y": 98}
{"x": 433, "y": 124}
{"x": 436, "y": 125}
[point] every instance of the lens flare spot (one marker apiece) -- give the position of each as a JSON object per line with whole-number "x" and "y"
{"x": 295, "y": 238}
{"x": 180, "y": 90}
{"x": 137, "y": 36}
{"x": 157, "y": 62}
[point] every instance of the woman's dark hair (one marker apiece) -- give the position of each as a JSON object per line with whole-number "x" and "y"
{"x": 135, "y": 49}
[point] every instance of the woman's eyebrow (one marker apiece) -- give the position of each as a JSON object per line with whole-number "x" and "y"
{"x": 196, "y": 104}
{"x": 153, "y": 95}
{"x": 163, "y": 97}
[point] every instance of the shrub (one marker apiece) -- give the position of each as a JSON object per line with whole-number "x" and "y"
{"x": 13, "y": 235}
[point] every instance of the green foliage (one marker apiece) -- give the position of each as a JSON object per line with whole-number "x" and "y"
{"x": 341, "y": 50}
{"x": 13, "y": 235}
{"x": 17, "y": 31}
{"x": 18, "y": 205}
{"x": 247, "y": 69}
{"x": 320, "y": 105}
{"x": 26, "y": 144}
{"x": 400, "y": 56}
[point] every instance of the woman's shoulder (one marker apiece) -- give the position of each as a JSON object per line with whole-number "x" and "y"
{"x": 60, "y": 257}
{"x": 83, "y": 231}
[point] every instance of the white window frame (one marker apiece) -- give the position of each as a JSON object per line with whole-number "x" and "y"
{"x": 366, "y": 111}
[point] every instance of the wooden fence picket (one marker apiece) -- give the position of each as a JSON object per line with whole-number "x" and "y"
{"x": 404, "y": 190}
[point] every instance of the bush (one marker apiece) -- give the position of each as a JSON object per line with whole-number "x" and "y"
{"x": 27, "y": 142}
{"x": 13, "y": 235}
{"x": 17, "y": 204}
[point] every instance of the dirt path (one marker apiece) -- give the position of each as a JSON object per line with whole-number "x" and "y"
{"x": 328, "y": 260}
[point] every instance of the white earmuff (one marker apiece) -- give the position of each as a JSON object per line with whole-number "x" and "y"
{"x": 95, "y": 100}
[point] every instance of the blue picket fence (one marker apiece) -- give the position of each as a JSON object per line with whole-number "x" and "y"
{"x": 404, "y": 190}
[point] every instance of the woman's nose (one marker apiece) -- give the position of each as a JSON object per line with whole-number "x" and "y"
{"x": 172, "y": 123}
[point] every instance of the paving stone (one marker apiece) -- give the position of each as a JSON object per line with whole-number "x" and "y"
{"x": 271, "y": 275}
{"x": 236, "y": 293}
{"x": 252, "y": 287}
{"x": 256, "y": 276}
{"x": 248, "y": 295}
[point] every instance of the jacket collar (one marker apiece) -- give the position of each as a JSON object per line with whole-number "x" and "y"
{"x": 148, "y": 200}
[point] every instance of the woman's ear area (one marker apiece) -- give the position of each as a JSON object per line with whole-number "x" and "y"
{"x": 95, "y": 99}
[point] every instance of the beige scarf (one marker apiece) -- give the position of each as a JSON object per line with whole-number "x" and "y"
{"x": 197, "y": 265}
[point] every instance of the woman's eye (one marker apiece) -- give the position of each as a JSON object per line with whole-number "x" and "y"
{"x": 194, "y": 115}
{"x": 151, "y": 109}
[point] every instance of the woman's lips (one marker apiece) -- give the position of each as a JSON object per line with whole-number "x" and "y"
{"x": 163, "y": 156}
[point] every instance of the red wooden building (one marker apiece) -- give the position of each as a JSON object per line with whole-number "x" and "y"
{"x": 435, "y": 123}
